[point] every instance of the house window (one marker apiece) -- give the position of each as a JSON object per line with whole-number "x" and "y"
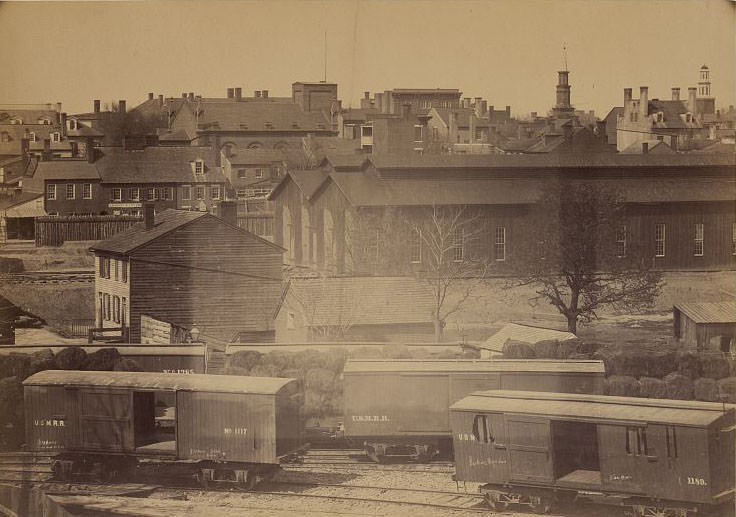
{"x": 56, "y": 136}
{"x": 499, "y": 244}
{"x": 671, "y": 439}
{"x": 199, "y": 167}
{"x": 290, "y": 317}
{"x": 241, "y": 174}
{"x": 87, "y": 191}
{"x": 123, "y": 311}
{"x": 70, "y": 191}
{"x": 636, "y": 441}
{"x": 16, "y": 120}
{"x": 44, "y": 121}
{"x": 215, "y": 192}
{"x": 135, "y": 194}
{"x": 4, "y": 136}
{"x": 371, "y": 248}
{"x": 116, "y": 194}
{"x": 366, "y": 131}
{"x": 621, "y": 241}
{"x": 200, "y": 193}
{"x": 166, "y": 193}
{"x": 259, "y": 173}
{"x": 151, "y": 194}
{"x": 32, "y": 137}
{"x": 415, "y": 246}
{"x": 242, "y": 193}
{"x": 124, "y": 270}
{"x": 51, "y": 191}
{"x": 698, "y": 243}
{"x": 116, "y": 309}
{"x": 108, "y": 309}
{"x": 116, "y": 261}
{"x": 73, "y": 125}
{"x": 659, "y": 236}
{"x": 458, "y": 245}
{"x": 186, "y": 193}
{"x": 418, "y": 133}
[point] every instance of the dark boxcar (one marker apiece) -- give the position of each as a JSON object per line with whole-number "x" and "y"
{"x": 228, "y": 423}
{"x": 662, "y": 457}
{"x": 400, "y": 407}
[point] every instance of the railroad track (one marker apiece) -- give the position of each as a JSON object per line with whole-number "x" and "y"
{"x": 25, "y": 466}
{"x": 48, "y": 277}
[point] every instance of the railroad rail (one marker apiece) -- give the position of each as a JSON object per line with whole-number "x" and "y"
{"x": 48, "y": 277}
{"x": 25, "y": 466}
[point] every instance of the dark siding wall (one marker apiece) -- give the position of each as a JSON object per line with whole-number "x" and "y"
{"x": 332, "y": 200}
{"x": 291, "y": 197}
{"x": 63, "y": 206}
{"x": 210, "y": 274}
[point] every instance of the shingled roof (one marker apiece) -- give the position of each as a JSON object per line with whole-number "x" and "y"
{"x": 365, "y": 300}
{"x": 158, "y": 164}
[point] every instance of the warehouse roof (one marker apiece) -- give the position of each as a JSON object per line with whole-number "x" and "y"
{"x": 713, "y": 312}
{"x": 67, "y": 170}
{"x": 160, "y": 381}
{"x": 473, "y": 365}
{"x": 524, "y": 333}
{"x": 594, "y": 407}
{"x": 158, "y": 164}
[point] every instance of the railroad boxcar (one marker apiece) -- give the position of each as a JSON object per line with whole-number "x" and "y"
{"x": 223, "y": 427}
{"x": 659, "y": 457}
{"x": 400, "y": 408}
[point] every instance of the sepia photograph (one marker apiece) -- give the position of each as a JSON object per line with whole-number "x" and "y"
{"x": 368, "y": 257}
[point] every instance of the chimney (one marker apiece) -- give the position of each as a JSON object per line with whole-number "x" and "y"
{"x": 91, "y": 151}
{"x": 228, "y": 212}
{"x": 63, "y": 123}
{"x": 183, "y": 95}
{"x": 121, "y": 106}
{"x": 405, "y": 111}
{"x": 627, "y": 95}
{"x": 644, "y": 101}
{"x": 257, "y": 94}
{"x": 534, "y": 115}
{"x": 58, "y": 107}
{"x": 96, "y": 104}
{"x": 238, "y": 94}
{"x": 675, "y": 94}
{"x": 264, "y": 93}
{"x": 508, "y": 112}
{"x": 150, "y": 96}
{"x": 452, "y": 129}
{"x": 230, "y": 93}
{"x": 160, "y": 100}
{"x": 46, "y": 155}
{"x": 600, "y": 126}
{"x": 366, "y": 95}
{"x": 191, "y": 96}
{"x": 483, "y": 107}
{"x": 645, "y": 148}
{"x": 692, "y": 95}
{"x": 149, "y": 216}
{"x": 471, "y": 128}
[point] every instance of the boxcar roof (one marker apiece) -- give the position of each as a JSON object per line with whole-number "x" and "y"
{"x": 594, "y": 407}
{"x": 160, "y": 381}
{"x": 473, "y": 365}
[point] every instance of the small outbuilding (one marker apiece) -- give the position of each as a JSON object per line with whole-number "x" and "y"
{"x": 493, "y": 346}
{"x": 705, "y": 326}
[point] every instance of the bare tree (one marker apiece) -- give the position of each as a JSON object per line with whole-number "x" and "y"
{"x": 584, "y": 260}
{"x": 444, "y": 242}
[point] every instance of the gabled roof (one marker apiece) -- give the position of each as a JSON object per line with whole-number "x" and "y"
{"x": 136, "y": 236}
{"x": 67, "y": 170}
{"x": 18, "y": 199}
{"x": 613, "y": 114}
{"x": 671, "y": 111}
{"x": 30, "y": 116}
{"x": 361, "y": 300}
{"x": 160, "y": 381}
{"x": 595, "y": 407}
{"x": 307, "y": 180}
{"x": 709, "y": 312}
{"x": 158, "y": 164}
{"x": 525, "y": 334}
{"x": 84, "y": 131}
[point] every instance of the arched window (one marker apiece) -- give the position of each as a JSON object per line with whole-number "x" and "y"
{"x": 44, "y": 121}
{"x": 255, "y": 145}
{"x": 281, "y": 145}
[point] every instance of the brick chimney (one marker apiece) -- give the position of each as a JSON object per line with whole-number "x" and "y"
{"x": 183, "y": 95}
{"x": 228, "y": 212}
{"x": 231, "y": 93}
{"x": 452, "y": 128}
{"x": 150, "y": 96}
{"x": 405, "y": 111}
{"x": 238, "y": 94}
{"x": 483, "y": 107}
{"x": 191, "y": 96}
{"x": 675, "y": 94}
{"x": 508, "y": 112}
{"x": 692, "y": 95}
{"x": 366, "y": 95}
{"x": 149, "y": 216}
{"x": 91, "y": 151}
{"x": 121, "y": 106}
{"x": 257, "y": 94}
{"x": 643, "y": 101}
{"x": 264, "y": 94}
{"x": 645, "y": 148}
{"x": 46, "y": 155}
{"x": 160, "y": 100}
{"x": 63, "y": 123}
{"x": 627, "y": 95}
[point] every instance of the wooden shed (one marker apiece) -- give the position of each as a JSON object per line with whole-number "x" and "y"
{"x": 706, "y": 326}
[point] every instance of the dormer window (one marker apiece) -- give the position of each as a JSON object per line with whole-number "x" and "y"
{"x": 56, "y": 136}
{"x": 199, "y": 167}
{"x": 16, "y": 120}
{"x": 688, "y": 117}
{"x": 44, "y": 121}
{"x": 73, "y": 125}
{"x": 660, "y": 117}
{"x": 268, "y": 125}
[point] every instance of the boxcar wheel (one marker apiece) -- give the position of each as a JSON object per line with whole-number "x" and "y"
{"x": 206, "y": 477}
{"x": 496, "y": 502}
{"x": 540, "y": 504}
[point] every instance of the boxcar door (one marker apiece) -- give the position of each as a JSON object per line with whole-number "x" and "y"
{"x": 106, "y": 420}
{"x": 529, "y": 452}
{"x": 425, "y": 399}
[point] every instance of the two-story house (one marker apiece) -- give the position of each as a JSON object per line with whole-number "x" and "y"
{"x": 253, "y": 173}
{"x": 180, "y": 269}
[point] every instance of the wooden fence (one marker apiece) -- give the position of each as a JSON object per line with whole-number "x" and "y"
{"x": 260, "y": 223}
{"x": 72, "y": 328}
{"x": 55, "y": 230}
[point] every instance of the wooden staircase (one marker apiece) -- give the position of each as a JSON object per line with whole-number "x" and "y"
{"x": 215, "y": 358}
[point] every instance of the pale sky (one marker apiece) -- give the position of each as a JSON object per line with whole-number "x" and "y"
{"x": 507, "y": 51}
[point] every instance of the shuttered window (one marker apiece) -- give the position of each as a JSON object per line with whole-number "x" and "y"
{"x": 698, "y": 242}
{"x": 659, "y": 240}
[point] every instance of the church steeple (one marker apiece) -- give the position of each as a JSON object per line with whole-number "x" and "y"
{"x": 563, "y": 108}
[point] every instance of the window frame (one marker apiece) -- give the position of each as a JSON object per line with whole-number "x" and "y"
{"x": 499, "y": 244}
{"x": 621, "y": 245}
{"x": 215, "y": 191}
{"x": 51, "y": 191}
{"x": 639, "y": 435}
{"x": 135, "y": 193}
{"x": 199, "y": 167}
{"x": 698, "y": 248}
{"x": 73, "y": 191}
{"x": 86, "y": 190}
{"x": 660, "y": 240}
{"x": 186, "y": 192}
{"x": 116, "y": 194}
{"x": 199, "y": 193}
{"x": 415, "y": 246}
{"x": 458, "y": 248}
{"x": 151, "y": 194}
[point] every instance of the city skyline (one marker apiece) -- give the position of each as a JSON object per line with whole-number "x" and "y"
{"x": 123, "y": 50}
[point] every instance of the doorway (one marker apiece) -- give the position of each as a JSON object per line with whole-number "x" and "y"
{"x": 575, "y": 452}
{"x": 154, "y": 422}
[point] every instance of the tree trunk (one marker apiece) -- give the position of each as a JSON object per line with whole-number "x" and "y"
{"x": 572, "y": 323}
{"x": 437, "y": 329}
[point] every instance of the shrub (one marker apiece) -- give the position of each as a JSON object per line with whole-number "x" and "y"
{"x": 652, "y": 388}
{"x": 278, "y": 360}
{"x": 567, "y": 348}
{"x": 631, "y": 363}
{"x": 103, "y": 360}
{"x": 622, "y": 385}
{"x": 11, "y": 409}
{"x": 688, "y": 364}
{"x": 71, "y": 358}
{"x": 727, "y": 389}
{"x": 517, "y": 350}
{"x": 607, "y": 357}
{"x": 127, "y": 365}
{"x": 679, "y": 386}
{"x": 264, "y": 370}
{"x": 395, "y": 351}
{"x": 41, "y": 360}
{"x": 245, "y": 359}
{"x": 15, "y": 365}
{"x": 715, "y": 366}
{"x": 661, "y": 364}
{"x": 705, "y": 389}
{"x": 546, "y": 349}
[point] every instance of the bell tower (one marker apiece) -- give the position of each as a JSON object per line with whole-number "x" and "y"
{"x": 704, "y": 82}
{"x": 563, "y": 108}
